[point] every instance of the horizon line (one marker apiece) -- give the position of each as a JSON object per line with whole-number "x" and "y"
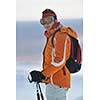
{"x": 58, "y": 19}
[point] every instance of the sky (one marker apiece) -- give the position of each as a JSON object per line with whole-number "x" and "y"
{"x": 32, "y": 9}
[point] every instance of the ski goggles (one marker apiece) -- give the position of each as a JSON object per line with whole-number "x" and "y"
{"x": 47, "y": 20}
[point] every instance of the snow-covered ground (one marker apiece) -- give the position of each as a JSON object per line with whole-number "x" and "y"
{"x": 27, "y": 91}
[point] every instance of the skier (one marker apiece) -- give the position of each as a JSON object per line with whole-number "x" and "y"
{"x": 57, "y": 51}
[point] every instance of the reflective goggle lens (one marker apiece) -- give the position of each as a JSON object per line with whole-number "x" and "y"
{"x": 46, "y": 20}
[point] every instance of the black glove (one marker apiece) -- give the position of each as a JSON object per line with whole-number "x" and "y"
{"x": 35, "y": 76}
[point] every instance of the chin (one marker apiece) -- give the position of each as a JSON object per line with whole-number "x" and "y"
{"x": 48, "y": 28}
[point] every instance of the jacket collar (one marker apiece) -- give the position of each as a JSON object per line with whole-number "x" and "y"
{"x": 51, "y": 31}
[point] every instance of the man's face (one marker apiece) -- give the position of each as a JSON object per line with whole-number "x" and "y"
{"x": 47, "y": 22}
{"x": 48, "y": 26}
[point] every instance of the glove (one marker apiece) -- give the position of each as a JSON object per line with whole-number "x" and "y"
{"x": 35, "y": 76}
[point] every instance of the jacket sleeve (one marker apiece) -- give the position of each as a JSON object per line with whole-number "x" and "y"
{"x": 60, "y": 53}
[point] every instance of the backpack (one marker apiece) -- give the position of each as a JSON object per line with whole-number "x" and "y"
{"x": 74, "y": 61}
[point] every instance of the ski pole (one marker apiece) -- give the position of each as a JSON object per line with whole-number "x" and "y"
{"x": 39, "y": 89}
{"x": 41, "y": 92}
{"x": 38, "y": 96}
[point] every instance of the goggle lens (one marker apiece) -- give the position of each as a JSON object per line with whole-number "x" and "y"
{"x": 46, "y": 20}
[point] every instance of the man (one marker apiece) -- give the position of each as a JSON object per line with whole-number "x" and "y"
{"x": 55, "y": 74}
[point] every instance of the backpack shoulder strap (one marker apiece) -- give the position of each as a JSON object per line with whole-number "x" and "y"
{"x": 54, "y": 36}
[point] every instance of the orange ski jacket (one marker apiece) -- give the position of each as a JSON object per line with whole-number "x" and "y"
{"x": 54, "y": 59}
